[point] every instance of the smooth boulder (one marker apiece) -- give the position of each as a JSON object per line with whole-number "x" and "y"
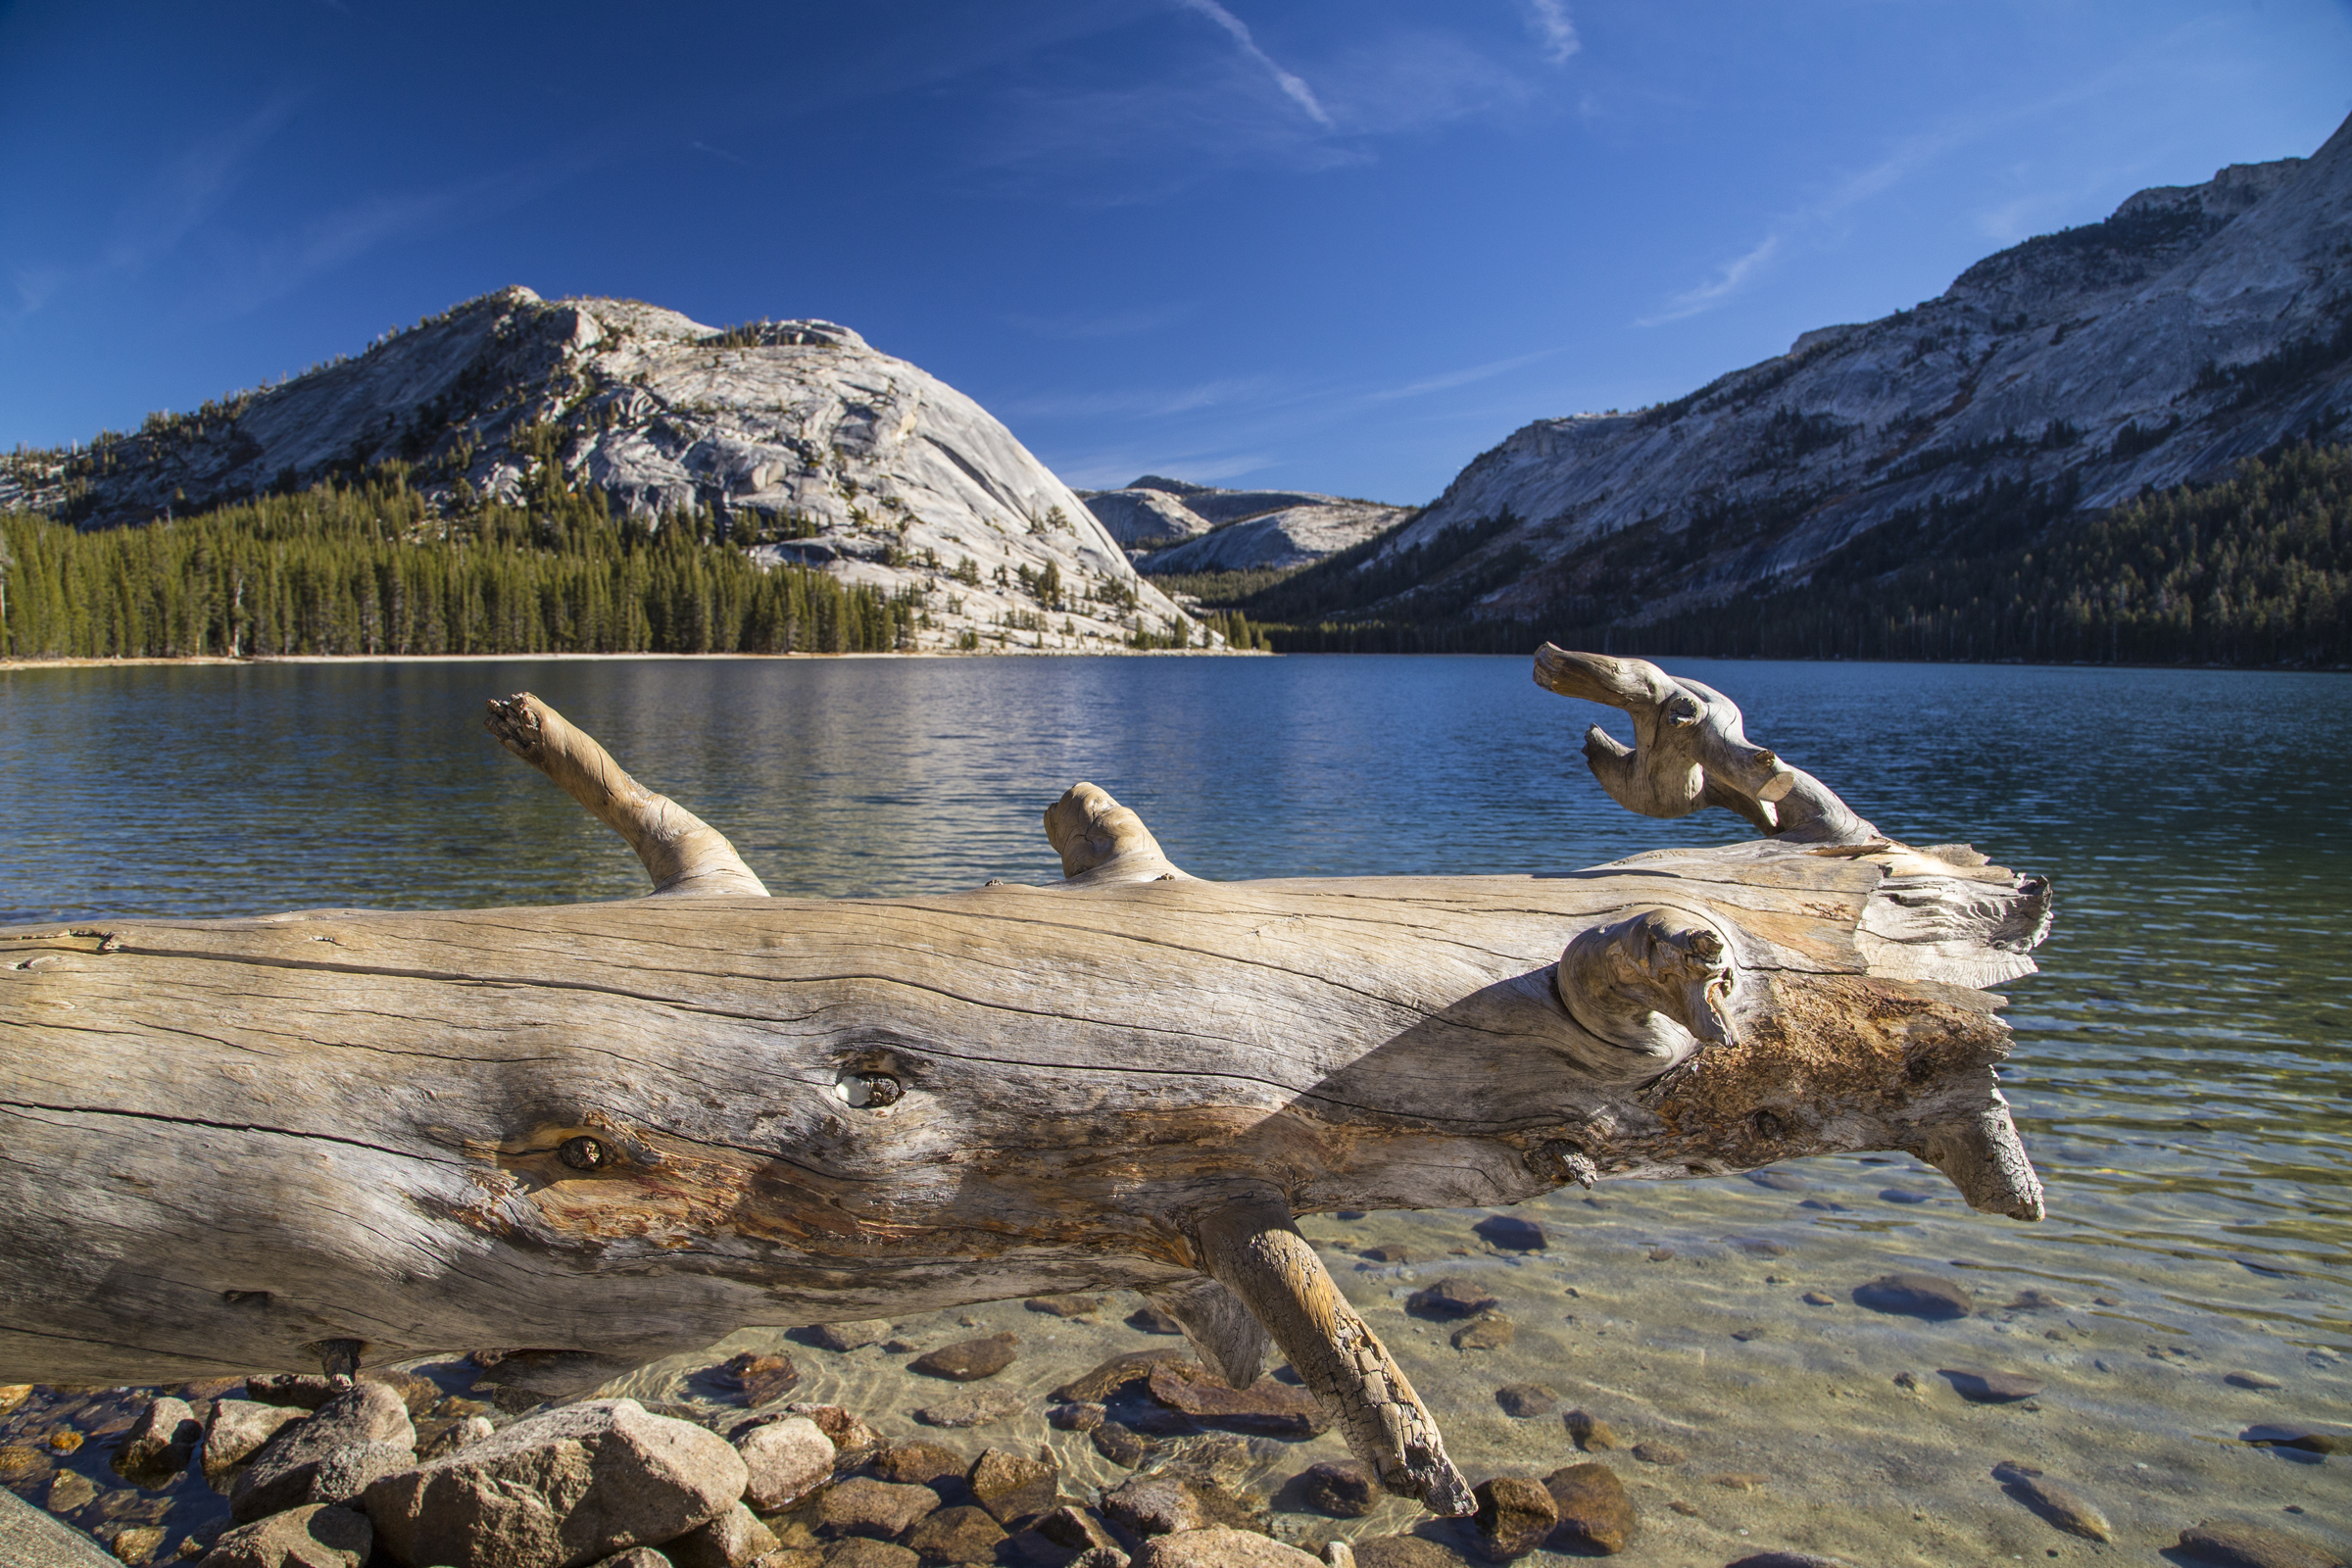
{"x": 1219, "y": 1547}
{"x": 558, "y": 1491}
{"x": 237, "y": 1428}
{"x": 787, "y": 1461}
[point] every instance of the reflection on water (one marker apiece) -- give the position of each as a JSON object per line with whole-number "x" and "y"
{"x": 2182, "y": 1071}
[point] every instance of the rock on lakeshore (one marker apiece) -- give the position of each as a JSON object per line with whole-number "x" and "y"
{"x": 786, "y": 1462}
{"x": 1218, "y": 1547}
{"x": 559, "y": 1490}
{"x": 314, "y": 1536}
{"x": 1596, "y": 1514}
{"x": 332, "y": 1456}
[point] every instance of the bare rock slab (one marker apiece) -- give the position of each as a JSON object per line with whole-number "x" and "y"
{"x": 559, "y": 1490}
{"x": 1218, "y": 1547}
{"x": 332, "y": 1456}
{"x": 314, "y": 1536}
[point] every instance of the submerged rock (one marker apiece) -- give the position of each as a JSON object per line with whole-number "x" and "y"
{"x": 1221, "y": 1547}
{"x": 970, "y": 1361}
{"x": 1150, "y": 1319}
{"x": 1340, "y": 1487}
{"x": 1514, "y": 1517}
{"x": 1524, "y": 1400}
{"x": 1065, "y": 1306}
{"x": 1450, "y": 1298}
{"x": 978, "y": 1407}
{"x": 2228, "y": 1544}
{"x": 2056, "y": 1503}
{"x": 840, "y": 1337}
{"x": 1267, "y": 1407}
{"x": 1596, "y": 1514}
{"x": 1509, "y": 1233}
{"x": 1989, "y": 1388}
{"x": 961, "y": 1533}
{"x": 1108, "y": 1377}
{"x": 759, "y": 1378}
{"x": 864, "y": 1507}
{"x": 1921, "y": 1295}
{"x": 2310, "y": 1439}
{"x": 1490, "y": 1330}
{"x": 1591, "y": 1433}
{"x": 1012, "y": 1486}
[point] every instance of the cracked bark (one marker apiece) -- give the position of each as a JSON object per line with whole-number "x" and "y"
{"x": 225, "y": 1144}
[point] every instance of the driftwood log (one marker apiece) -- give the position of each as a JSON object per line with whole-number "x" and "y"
{"x": 624, "y": 1130}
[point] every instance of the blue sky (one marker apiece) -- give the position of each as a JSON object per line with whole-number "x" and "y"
{"x": 1338, "y": 246}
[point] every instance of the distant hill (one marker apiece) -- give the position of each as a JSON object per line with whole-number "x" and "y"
{"x": 2194, "y": 327}
{"x": 792, "y": 439}
{"x": 1173, "y": 528}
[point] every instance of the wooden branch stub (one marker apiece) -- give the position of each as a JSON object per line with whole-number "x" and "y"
{"x": 1690, "y": 750}
{"x": 1654, "y": 986}
{"x": 1101, "y": 841}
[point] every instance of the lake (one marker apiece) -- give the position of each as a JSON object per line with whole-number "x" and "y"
{"x": 2182, "y": 1071}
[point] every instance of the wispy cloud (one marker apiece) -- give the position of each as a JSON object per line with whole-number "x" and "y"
{"x": 190, "y": 187}
{"x": 1450, "y": 379}
{"x": 1292, "y": 86}
{"x": 1555, "y": 36}
{"x": 1136, "y": 402}
{"x": 720, "y": 153}
{"x": 1729, "y": 279}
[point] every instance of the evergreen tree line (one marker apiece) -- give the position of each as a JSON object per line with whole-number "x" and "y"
{"x": 2252, "y": 570}
{"x": 367, "y": 569}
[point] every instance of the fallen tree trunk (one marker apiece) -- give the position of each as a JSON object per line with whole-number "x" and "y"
{"x": 628, "y": 1129}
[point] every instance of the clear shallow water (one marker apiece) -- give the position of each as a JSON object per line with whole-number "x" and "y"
{"x": 2183, "y": 1071}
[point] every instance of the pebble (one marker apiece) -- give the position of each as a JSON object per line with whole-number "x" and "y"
{"x": 970, "y": 1361}
{"x": 1660, "y": 1454}
{"x": 1596, "y": 1514}
{"x": 1592, "y": 1432}
{"x": 1350, "y": 1214}
{"x": 1150, "y": 1319}
{"x": 864, "y": 1506}
{"x": 963, "y": 1534}
{"x": 358, "y": 1436}
{"x": 846, "y": 1337}
{"x": 1386, "y": 1255}
{"x": 2251, "y": 1380}
{"x": 1778, "y": 1181}
{"x": 1817, "y": 1298}
{"x": 1514, "y": 1517}
{"x": 1921, "y": 1295}
{"x": 786, "y": 1460}
{"x": 1760, "y": 1245}
{"x": 21, "y": 1465}
{"x": 66, "y": 1440}
{"x": 1750, "y": 1332}
{"x": 2310, "y": 1439}
{"x": 2227, "y": 1543}
{"x": 1076, "y": 1417}
{"x": 1449, "y": 1298}
{"x": 760, "y": 1379}
{"x": 12, "y": 1395}
{"x": 1741, "y": 1480}
{"x": 1489, "y": 1331}
{"x": 1219, "y": 1547}
{"x": 1988, "y": 1387}
{"x": 2035, "y": 1301}
{"x": 315, "y": 1536}
{"x": 2058, "y": 1504}
{"x": 1661, "y": 1254}
{"x": 977, "y": 1407}
{"x": 1012, "y": 1486}
{"x": 1065, "y": 1306}
{"x": 1509, "y": 1233}
{"x": 1340, "y": 1487}
{"x": 136, "y": 1543}
{"x": 1522, "y": 1401}
{"x": 1267, "y": 1407}
{"x": 1786, "y": 1559}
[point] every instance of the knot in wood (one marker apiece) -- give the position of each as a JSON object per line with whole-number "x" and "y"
{"x": 1560, "y": 1161}
{"x": 869, "y": 1091}
{"x": 583, "y": 1152}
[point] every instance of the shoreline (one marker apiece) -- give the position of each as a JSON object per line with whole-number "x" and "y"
{"x": 79, "y": 661}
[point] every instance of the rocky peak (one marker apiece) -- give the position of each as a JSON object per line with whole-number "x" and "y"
{"x": 811, "y": 443}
